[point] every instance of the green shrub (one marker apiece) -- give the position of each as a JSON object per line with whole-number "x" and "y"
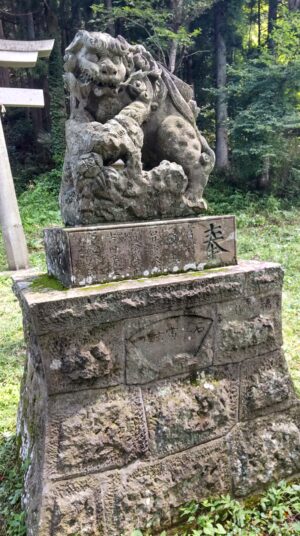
{"x": 276, "y": 512}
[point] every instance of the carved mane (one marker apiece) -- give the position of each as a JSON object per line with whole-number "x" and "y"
{"x": 135, "y": 58}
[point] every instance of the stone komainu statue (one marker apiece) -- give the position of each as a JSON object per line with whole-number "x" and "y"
{"x": 133, "y": 148}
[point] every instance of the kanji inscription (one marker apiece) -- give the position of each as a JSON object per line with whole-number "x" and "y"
{"x": 214, "y": 237}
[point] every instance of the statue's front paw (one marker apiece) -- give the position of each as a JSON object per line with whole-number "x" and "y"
{"x": 191, "y": 200}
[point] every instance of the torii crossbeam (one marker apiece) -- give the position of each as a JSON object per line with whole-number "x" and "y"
{"x": 16, "y": 54}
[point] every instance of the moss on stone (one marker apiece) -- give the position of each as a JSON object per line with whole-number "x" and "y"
{"x": 102, "y": 286}
{"x": 252, "y": 501}
{"x": 46, "y": 282}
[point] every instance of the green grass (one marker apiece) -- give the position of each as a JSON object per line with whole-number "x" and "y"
{"x": 267, "y": 230}
{"x": 12, "y": 518}
{"x": 279, "y": 241}
{"x": 39, "y": 209}
{"x": 12, "y": 351}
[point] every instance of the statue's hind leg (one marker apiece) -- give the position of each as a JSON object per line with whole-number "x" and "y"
{"x": 198, "y": 176}
{"x": 180, "y": 142}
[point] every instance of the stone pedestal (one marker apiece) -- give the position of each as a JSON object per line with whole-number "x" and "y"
{"x": 80, "y": 256}
{"x": 140, "y": 396}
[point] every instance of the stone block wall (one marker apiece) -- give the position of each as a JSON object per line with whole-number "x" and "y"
{"x": 139, "y": 396}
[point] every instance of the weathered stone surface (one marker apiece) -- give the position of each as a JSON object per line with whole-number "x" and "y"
{"x": 264, "y": 282}
{"x": 264, "y": 451}
{"x": 88, "y": 255}
{"x": 117, "y": 503}
{"x": 266, "y": 386}
{"x": 60, "y": 311}
{"x": 185, "y": 413}
{"x": 92, "y": 358}
{"x": 154, "y": 492}
{"x": 142, "y": 395}
{"x": 31, "y": 429}
{"x": 165, "y": 345}
{"x": 248, "y": 327}
{"x": 81, "y": 347}
{"x": 133, "y": 148}
{"x": 98, "y": 431}
{"x": 73, "y": 507}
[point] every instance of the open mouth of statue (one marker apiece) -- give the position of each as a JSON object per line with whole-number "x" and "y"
{"x": 101, "y": 82}
{"x": 107, "y": 83}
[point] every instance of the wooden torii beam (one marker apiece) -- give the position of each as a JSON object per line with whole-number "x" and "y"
{"x": 16, "y": 54}
{"x": 33, "y": 98}
{"x": 18, "y": 59}
{"x": 43, "y": 48}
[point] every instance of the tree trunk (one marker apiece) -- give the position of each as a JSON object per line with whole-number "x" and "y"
{"x": 36, "y": 114}
{"x": 259, "y": 21}
{"x": 172, "y": 56}
{"x": 30, "y": 27}
{"x": 294, "y": 5}
{"x": 272, "y": 17}
{"x": 177, "y": 11}
{"x": 76, "y": 15}
{"x": 4, "y": 73}
{"x": 264, "y": 179}
{"x": 222, "y": 160}
{"x": 28, "y": 30}
{"x": 111, "y": 25}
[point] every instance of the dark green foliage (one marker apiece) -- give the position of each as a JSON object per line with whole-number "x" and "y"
{"x": 263, "y": 106}
{"x": 57, "y": 103}
{"x": 12, "y": 517}
{"x": 264, "y": 85}
{"x": 154, "y": 23}
{"x": 275, "y": 512}
{"x": 20, "y": 141}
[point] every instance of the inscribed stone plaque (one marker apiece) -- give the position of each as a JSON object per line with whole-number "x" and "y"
{"x": 87, "y": 255}
{"x": 163, "y": 345}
